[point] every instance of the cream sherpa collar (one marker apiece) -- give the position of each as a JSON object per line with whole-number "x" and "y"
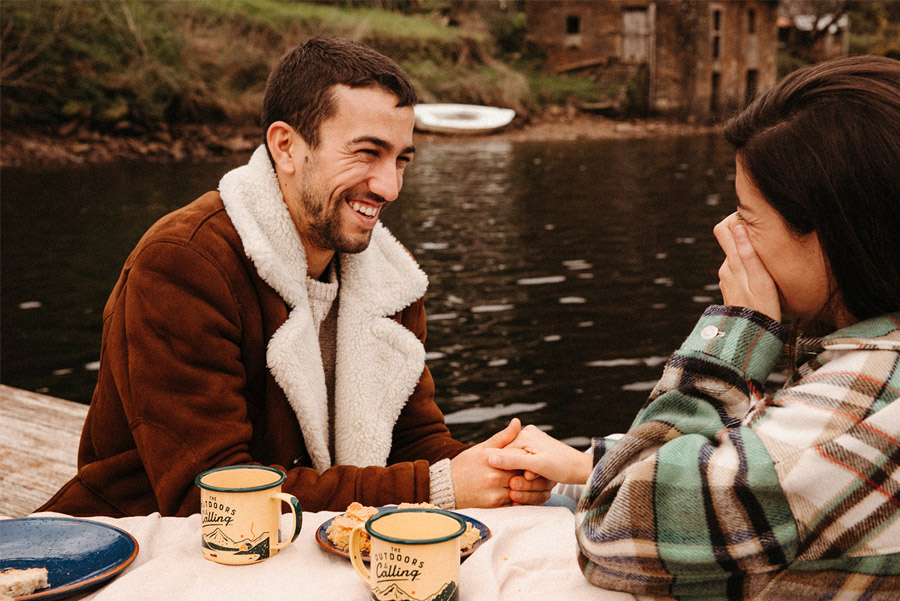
{"x": 378, "y": 361}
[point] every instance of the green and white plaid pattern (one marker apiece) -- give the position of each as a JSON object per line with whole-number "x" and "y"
{"x": 718, "y": 492}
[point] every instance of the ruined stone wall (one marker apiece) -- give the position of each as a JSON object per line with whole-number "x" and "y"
{"x": 599, "y": 25}
{"x": 704, "y": 59}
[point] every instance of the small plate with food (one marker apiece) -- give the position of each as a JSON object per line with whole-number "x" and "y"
{"x": 51, "y": 558}
{"x": 334, "y": 534}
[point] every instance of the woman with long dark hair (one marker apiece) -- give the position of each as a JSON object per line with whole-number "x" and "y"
{"x": 719, "y": 490}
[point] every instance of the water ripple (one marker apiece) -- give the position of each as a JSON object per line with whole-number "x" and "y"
{"x": 476, "y": 415}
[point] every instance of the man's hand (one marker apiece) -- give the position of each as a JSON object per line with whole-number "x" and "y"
{"x": 542, "y": 455}
{"x": 477, "y": 484}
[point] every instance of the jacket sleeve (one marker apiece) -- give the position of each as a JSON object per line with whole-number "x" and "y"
{"x": 172, "y": 356}
{"x": 688, "y": 501}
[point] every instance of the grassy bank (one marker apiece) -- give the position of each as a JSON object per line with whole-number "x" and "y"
{"x": 97, "y": 80}
{"x": 125, "y": 64}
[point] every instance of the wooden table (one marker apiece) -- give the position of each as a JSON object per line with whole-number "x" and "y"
{"x": 39, "y": 438}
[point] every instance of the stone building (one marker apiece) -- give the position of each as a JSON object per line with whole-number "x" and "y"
{"x": 816, "y": 38}
{"x": 674, "y": 57}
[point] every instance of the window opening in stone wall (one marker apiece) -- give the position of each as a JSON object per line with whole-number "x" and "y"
{"x": 751, "y": 21}
{"x": 716, "y": 31}
{"x": 573, "y": 24}
{"x": 714, "y": 96}
{"x": 784, "y": 35}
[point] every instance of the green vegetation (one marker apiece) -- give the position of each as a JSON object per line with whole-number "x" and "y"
{"x": 552, "y": 89}
{"x": 105, "y": 62}
{"x": 875, "y": 27}
{"x": 134, "y": 64}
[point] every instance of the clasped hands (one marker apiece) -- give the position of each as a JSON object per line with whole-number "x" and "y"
{"x": 516, "y": 466}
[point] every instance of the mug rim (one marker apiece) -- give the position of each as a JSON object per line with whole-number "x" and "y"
{"x": 424, "y": 541}
{"x": 282, "y": 477}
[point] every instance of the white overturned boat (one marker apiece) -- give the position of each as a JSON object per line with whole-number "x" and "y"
{"x": 461, "y": 118}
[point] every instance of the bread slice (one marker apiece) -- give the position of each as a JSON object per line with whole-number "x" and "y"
{"x": 16, "y": 583}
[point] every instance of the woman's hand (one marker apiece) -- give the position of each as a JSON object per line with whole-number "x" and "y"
{"x": 542, "y": 455}
{"x": 476, "y": 483}
{"x": 743, "y": 279}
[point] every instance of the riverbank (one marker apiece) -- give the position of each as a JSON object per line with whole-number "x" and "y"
{"x": 68, "y": 146}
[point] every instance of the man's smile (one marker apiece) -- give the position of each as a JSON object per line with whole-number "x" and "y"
{"x": 364, "y": 209}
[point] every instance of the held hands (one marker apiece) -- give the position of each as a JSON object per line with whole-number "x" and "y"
{"x": 541, "y": 455}
{"x": 478, "y": 484}
{"x": 743, "y": 279}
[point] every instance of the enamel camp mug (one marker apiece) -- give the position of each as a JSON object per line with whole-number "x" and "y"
{"x": 414, "y": 554}
{"x": 240, "y": 508}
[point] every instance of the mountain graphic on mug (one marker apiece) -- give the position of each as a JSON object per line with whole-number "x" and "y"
{"x": 393, "y": 592}
{"x": 219, "y": 541}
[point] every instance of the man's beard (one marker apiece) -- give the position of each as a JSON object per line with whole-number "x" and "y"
{"x": 324, "y": 225}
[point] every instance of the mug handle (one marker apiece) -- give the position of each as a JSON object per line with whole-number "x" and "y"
{"x": 355, "y": 554}
{"x": 297, "y": 514}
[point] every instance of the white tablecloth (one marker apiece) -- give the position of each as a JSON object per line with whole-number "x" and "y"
{"x": 531, "y": 555}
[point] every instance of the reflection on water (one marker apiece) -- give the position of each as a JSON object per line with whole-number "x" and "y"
{"x": 561, "y": 274}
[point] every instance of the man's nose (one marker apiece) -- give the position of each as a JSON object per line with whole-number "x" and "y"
{"x": 386, "y": 182}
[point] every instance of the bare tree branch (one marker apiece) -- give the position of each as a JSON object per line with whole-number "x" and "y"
{"x": 14, "y": 60}
{"x": 129, "y": 19}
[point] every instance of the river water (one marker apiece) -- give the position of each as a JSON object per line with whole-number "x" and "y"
{"x": 562, "y": 274}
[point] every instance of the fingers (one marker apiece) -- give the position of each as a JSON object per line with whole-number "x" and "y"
{"x": 504, "y": 436}
{"x": 489, "y": 488}
{"x": 514, "y": 460}
{"x": 744, "y": 249}
{"x": 528, "y": 437}
{"x": 522, "y": 484}
{"x": 743, "y": 277}
{"x": 724, "y": 233}
{"x": 475, "y": 482}
{"x": 529, "y": 498}
{"x": 724, "y": 236}
{"x": 530, "y": 492}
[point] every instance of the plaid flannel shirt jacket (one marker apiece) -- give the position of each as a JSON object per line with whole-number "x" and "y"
{"x": 720, "y": 492}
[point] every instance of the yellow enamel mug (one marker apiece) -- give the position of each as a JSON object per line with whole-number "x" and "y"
{"x": 240, "y": 509}
{"x": 414, "y": 554}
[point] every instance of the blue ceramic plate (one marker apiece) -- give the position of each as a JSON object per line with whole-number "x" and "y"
{"x": 324, "y": 542}
{"x": 78, "y": 554}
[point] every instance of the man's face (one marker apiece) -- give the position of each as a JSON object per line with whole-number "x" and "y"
{"x": 341, "y": 187}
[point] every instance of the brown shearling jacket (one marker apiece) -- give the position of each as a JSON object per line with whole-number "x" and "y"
{"x": 184, "y": 386}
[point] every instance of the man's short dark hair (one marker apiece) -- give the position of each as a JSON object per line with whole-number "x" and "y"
{"x": 300, "y": 87}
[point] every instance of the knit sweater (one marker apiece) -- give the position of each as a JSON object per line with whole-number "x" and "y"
{"x": 721, "y": 492}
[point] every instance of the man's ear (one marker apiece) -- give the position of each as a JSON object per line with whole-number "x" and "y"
{"x": 284, "y": 144}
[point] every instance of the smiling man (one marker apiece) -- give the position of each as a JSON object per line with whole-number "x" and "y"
{"x": 276, "y": 321}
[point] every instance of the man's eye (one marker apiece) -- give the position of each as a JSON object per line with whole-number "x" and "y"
{"x": 368, "y": 151}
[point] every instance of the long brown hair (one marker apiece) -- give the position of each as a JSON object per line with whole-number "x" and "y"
{"x": 823, "y": 148}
